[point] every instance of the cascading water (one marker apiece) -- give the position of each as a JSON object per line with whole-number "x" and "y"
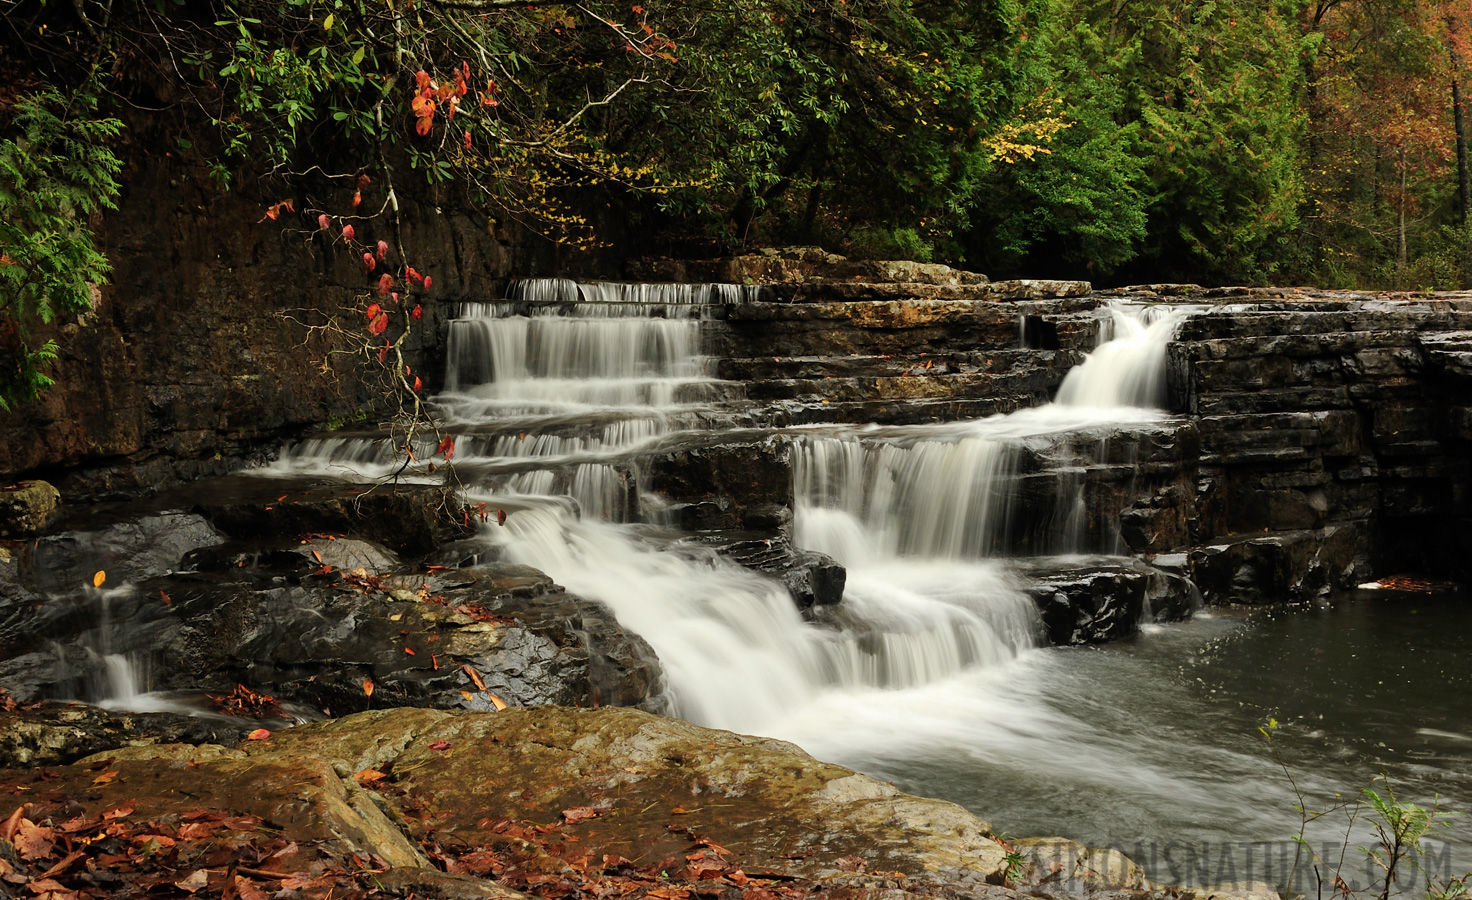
{"x": 1128, "y": 366}
{"x": 556, "y": 388}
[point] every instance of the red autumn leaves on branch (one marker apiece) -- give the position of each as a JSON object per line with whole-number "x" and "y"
{"x": 430, "y": 97}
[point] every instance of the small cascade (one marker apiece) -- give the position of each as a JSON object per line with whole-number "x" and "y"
{"x": 1128, "y": 366}
{"x": 966, "y": 490}
{"x": 861, "y": 501}
{"x": 736, "y": 652}
{"x": 566, "y": 290}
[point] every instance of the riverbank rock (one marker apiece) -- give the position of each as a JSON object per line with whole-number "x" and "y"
{"x": 58, "y": 734}
{"x": 541, "y": 800}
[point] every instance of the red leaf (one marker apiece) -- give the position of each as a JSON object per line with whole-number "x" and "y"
{"x": 385, "y": 281}
{"x": 424, "y": 126}
{"x": 412, "y": 274}
{"x": 323, "y": 222}
{"x": 434, "y": 661}
{"x": 417, "y": 384}
{"x": 440, "y": 745}
{"x": 395, "y": 296}
{"x": 348, "y": 232}
{"x": 378, "y": 325}
{"x": 427, "y": 282}
{"x": 367, "y": 688}
{"x": 417, "y": 312}
{"x": 166, "y": 598}
{"x": 500, "y": 517}
{"x": 446, "y": 447}
{"x": 410, "y": 651}
{"x": 260, "y": 734}
{"x": 373, "y": 312}
{"x": 369, "y": 264}
{"x": 363, "y": 182}
{"x": 383, "y": 352}
{"x": 382, "y": 249}
{"x": 357, "y": 197}
{"x": 467, "y": 140}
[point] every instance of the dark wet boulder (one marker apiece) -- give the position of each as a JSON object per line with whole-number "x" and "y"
{"x": 130, "y": 550}
{"x": 337, "y": 641}
{"x": 718, "y": 485}
{"x": 812, "y": 578}
{"x": 1102, "y": 599}
{"x": 410, "y": 519}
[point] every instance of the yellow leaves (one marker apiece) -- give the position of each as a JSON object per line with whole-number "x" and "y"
{"x": 99, "y": 578}
{"x": 1028, "y": 135}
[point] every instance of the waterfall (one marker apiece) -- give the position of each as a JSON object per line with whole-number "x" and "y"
{"x": 1128, "y": 366}
{"x": 555, "y": 389}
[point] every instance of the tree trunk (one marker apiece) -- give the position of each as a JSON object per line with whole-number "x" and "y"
{"x": 1464, "y": 173}
{"x": 1464, "y": 177}
{"x": 1400, "y": 256}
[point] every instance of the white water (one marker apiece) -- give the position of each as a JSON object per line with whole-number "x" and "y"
{"x": 918, "y": 515}
{"x": 1128, "y": 367}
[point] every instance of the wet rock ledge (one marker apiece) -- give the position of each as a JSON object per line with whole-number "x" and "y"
{"x": 547, "y": 802}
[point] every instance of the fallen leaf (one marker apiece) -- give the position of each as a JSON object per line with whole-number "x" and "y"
{"x": 105, "y": 778}
{"x": 121, "y": 812}
{"x": 368, "y": 776}
{"x": 410, "y": 651}
{"x": 367, "y": 687}
{"x": 33, "y": 841}
{"x": 578, "y": 814}
{"x": 163, "y": 595}
{"x": 99, "y": 578}
{"x": 260, "y": 734}
{"x": 474, "y": 677}
{"x": 440, "y": 745}
{"x": 497, "y": 701}
{"x": 65, "y": 864}
{"x": 197, "y": 880}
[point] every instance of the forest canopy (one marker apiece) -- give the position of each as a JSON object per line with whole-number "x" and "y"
{"x": 1243, "y": 141}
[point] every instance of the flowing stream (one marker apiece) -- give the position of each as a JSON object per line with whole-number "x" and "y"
{"x": 930, "y": 671}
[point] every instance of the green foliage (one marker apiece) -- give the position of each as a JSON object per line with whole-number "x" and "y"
{"x": 1082, "y": 201}
{"x": 56, "y": 170}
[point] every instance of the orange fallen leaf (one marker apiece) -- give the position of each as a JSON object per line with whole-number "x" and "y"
{"x": 164, "y": 596}
{"x": 474, "y": 677}
{"x": 410, "y": 651}
{"x": 122, "y": 812}
{"x": 367, "y": 687}
{"x": 499, "y": 703}
{"x": 260, "y": 734}
{"x": 578, "y": 814}
{"x": 99, "y": 578}
{"x": 105, "y": 778}
{"x": 368, "y": 776}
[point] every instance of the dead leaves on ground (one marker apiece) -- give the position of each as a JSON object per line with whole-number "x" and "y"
{"x": 60, "y": 854}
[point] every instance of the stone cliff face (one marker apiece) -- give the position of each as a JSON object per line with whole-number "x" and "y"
{"x": 201, "y": 352}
